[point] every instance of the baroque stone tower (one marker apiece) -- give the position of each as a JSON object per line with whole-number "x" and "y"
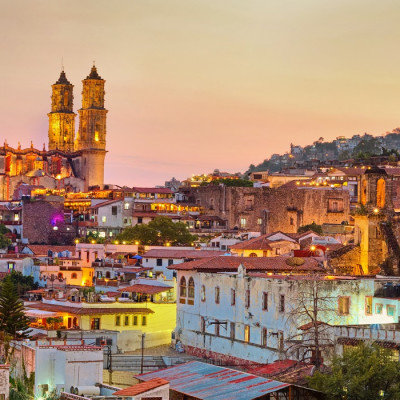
{"x": 91, "y": 138}
{"x": 62, "y": 116}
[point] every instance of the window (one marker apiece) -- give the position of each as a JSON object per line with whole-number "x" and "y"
{"x": 247, "y": 333}
{"x": 114, "y": 210}
{"x": 182, "y": 287}
{"x": 233, "y": 297}
{"x": 259, "y": 221}
{"x": 144, "y": 320}
{"x": 368, "y": 305}
{"x": 74, "y": 275}
{"x": 243, "y": 222}
{"x": 118, "y": 320}
{"x": 126, "y": 206}
{"x": 280, "y": 340}
{"x": 191, "y": 288}
{"x": 103, "y": 218}
{"x": 378, "y": 308}
{"x": 95, "y": 323}
{"x": 291, "y": 221}
{"x": 264, "y": 337}
{"x": 232, "y": 330}
{"x": 203, "y": 293}
{"x": 125, "y": 221}
{"x": 170, "y": 262}
{"x": 282, "y": 303}
{"x": 278, "y": 251}
{"x": 140, "y": 220}
{"x": 159, "y": 262}
{"x": 202, "y": 325}
{"x": 247, "y": 299}
{"x": 135, "y": 320}
{"x": 60, "y": 276}
{"x": 217, "y": 295}
{"x": 344, "y": 305}
{"x": 265, "y": 301}
{"x": 253, "y": 255}
{"x": 390, "y": 310}
{"x": 126, "y": 320}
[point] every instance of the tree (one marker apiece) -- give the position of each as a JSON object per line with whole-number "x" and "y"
{"x": 160, "y": 231}
{"x": 22, "y": 283}
{"x": 363, "y": 373}
{"x": 13, "y": 320}
{"x": 310, "y": 227}
{"x": 312, "y": 309}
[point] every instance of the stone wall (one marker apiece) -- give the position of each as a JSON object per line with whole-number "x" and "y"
{"x": 268, "y": 210}
{"x": 4, "y": 381}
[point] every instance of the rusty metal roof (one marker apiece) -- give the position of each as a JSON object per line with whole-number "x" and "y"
{"x": 207, "y": 381}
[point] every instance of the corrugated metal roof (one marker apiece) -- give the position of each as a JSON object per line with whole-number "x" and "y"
{"x": 207, "y": 381}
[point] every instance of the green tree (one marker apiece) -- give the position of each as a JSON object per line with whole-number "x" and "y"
{"x": 160, "y": 231}
{"x": 311, "y": 227}
{"x": 13, "y": 320}
{"x": 364, "y": 373}
{"x": 22, "y": 283}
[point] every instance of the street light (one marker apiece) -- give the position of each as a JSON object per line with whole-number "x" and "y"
{"x": 142, "y": 359}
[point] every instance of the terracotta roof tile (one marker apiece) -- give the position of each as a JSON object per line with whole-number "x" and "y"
{"x": 174, "y": 253}
{"x": 42, "y": 249}
{"x": 229, "y": 263}
{"x": 257, "y": 243}
{"x": 146, "y": 289}
{"x": 140, "y": 388}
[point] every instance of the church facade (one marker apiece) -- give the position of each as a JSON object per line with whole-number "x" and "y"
{"x": 74, "y": 161}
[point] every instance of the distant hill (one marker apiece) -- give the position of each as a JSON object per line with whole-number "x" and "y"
{"x": 355, "y": 148}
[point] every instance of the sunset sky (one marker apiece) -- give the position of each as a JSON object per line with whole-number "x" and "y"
{"x": 194, "y": 85}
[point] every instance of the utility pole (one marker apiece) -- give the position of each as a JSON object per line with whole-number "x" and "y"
{"x": 142, "y": 360}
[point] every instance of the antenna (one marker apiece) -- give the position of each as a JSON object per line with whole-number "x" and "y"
{"x": 62, "y": 63}
{"x": 94, "y": 63}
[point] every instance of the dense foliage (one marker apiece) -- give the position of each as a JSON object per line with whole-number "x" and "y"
{"x": 160, "y": 231}
{"x": 363, "y": 373}
{"x": 311, "y": 227}
{"x": 13, "y": 321}
{"x": 22, "y": 283}
{"x": 230, "y": 182}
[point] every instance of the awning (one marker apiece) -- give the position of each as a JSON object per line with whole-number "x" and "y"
{"x": 40, "y": 314}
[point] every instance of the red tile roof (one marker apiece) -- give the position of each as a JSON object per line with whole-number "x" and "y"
{"x": 140, "y": 388}
{"x": 229, "y": 263}
{"x": 257, "y": 243}
{"x": 146, "y": 289}
{"x": 174, "y": 253}
{"x": 42, "y": 249}
{"x": 105, "y": 203}
{"x": 153, "y": 190}
{"x": 89, "y": 311}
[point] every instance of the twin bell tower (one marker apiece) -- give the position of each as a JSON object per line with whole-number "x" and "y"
{"x": 90, "y": 140}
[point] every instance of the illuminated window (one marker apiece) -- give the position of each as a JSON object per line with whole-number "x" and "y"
{"x": 344, "y": 305}
{"x": 247, "y": 333}
{"x": 104, "y": 219}
{"x": 243, "y": 222}
{"x": 368, "y": 305}
{"x": 217, "y": 295}
{"x": 264, "y": 337}
{"x": 247, "y": 299}
{"x": 126, "y": 206}
{"x": 233, "y": 297}
{"x": 96, "y": 136}
{"x": 390, "y": 310}
{"x": 203, "y": 293}
{"x": 191, "y": 288}
{"x": 182, "y": 287}
{"x": 259, "y": 221}
{"x": 265, "y": 301}
{"x": 378, "y": 308}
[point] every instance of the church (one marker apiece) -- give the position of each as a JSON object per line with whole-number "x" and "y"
{"x": 74, "y": 161}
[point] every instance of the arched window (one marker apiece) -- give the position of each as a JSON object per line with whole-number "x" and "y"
{"x": 74, "y": 275}
{"x": 203, "y": 293}
{"x": 60, "y": 276}
{"x": 253, "y": 255}
{"x": 182, "y": 287}
{"x": 380, "y": 193}
{"x": 191, "y": 288}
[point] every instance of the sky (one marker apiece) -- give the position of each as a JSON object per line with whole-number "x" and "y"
{"x": 195, "y": 85}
